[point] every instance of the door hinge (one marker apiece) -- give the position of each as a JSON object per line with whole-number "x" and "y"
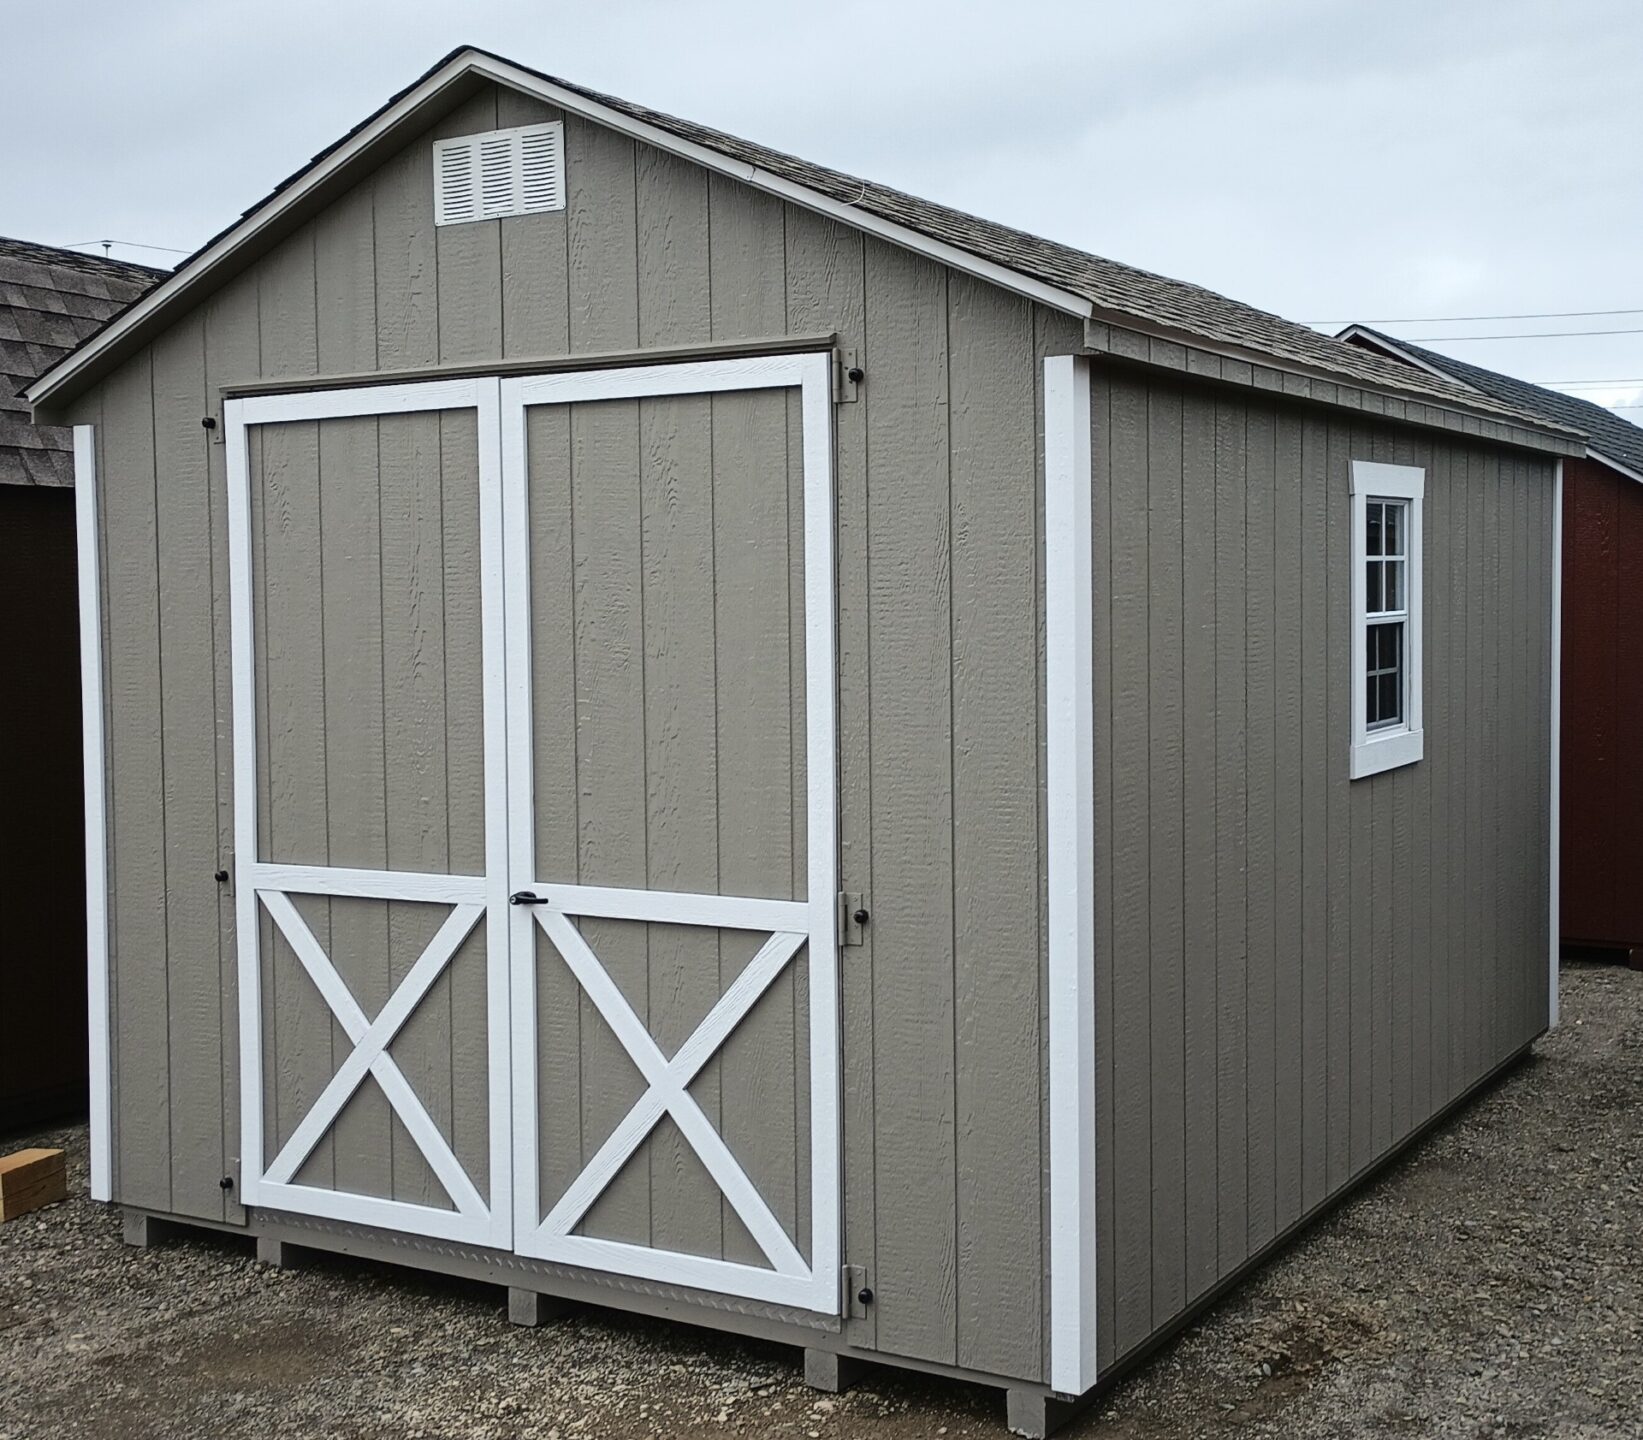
{"x": 852, "y": 917}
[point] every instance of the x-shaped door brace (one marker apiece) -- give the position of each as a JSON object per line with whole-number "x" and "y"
{"x": 370, "y": 1053}
{"x": 668, "y": 1093}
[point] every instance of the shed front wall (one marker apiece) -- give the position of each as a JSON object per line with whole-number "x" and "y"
{"x": 1295, "y": 969}
{"x": 1602, "y": 780}
{"x": 939, "y": 482}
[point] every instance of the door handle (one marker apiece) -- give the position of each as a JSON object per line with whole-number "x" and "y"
{"x": 525, "y": 897}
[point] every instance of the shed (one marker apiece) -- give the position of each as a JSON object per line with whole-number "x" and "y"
{"x": 1601, "y": 698}
{"x": 50, "y": 300}
{"x": 782, "y": 756}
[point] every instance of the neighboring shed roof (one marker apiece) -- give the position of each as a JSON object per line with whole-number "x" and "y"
{"x": 1080, "y": 283}
{"x": 1610, "y": 436}
{"x": 50, "y": 300}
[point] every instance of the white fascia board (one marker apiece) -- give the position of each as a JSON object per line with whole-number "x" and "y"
{"x": 473, "y": 63}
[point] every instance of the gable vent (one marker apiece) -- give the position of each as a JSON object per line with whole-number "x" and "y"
{"x": 502, "y": 172}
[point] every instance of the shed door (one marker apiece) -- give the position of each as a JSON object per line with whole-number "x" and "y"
{"x": 371, "y": 806}
{"x": 672, "y": 824}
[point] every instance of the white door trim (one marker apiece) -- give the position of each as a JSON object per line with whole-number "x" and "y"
{"x": 262, "y": 885}
{"x": 814, "y": 1286}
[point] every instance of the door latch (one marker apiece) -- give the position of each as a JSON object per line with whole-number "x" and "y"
{"x": 526, "y": 897}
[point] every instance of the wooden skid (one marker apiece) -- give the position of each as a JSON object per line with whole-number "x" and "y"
{"x": 29, "y": 1180}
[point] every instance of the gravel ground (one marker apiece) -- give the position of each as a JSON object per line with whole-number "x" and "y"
{"x": 1491, "y": 1284}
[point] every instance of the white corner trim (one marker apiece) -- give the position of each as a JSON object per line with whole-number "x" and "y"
{"x": 1554, "y": 819}
{"x": 91, "y": 711}
{"x": 473, "y": 62}
{"x": 1070, "y": 746}
{"x": 1373, "y": 752}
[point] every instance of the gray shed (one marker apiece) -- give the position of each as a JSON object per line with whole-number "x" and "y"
{"x": 680, "y": 730}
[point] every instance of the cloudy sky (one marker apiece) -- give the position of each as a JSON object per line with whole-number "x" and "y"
{"x": 1384, "y": 160}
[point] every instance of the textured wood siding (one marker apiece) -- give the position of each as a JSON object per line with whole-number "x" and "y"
{"x": 667, "y": 625}
{"x": 365, "y": 534}
{"x": 1294, "y": 970}
{"x": 1602, "y": 832}
{"x": 939, "y": 476}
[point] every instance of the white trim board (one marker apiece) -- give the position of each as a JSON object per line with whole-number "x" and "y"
{"x": 1070, "y": 758}
{"x": 98, "y": 1014}
{"x": 473, "y": 62}
{"x": 1554, "y": 819}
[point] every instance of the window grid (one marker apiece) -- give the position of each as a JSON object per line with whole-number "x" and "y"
{"x": 1386, "y": 611}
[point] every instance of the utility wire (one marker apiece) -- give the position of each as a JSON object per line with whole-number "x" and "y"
{"x": 1515, "y": 335}
{"x": 1446, "y": 319}
{"x": 129, "y": 244}
{"x": 1590, "y": 384}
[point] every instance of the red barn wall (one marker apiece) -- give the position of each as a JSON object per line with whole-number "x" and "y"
{"x": 1602, "y": 819}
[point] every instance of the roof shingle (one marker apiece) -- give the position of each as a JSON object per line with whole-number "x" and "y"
{"x": 1608, "y": 432}
{"x": 50, "y": 300}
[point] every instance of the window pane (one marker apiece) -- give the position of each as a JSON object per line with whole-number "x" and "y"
{"x": 1393, "y": 585}
{"x": 1392, "y": 530}
{"x": 1383, "y": 694}
{"x": 1372, "y": 586}
{"x": 1374, "y": 508}
{"x": 1391, "y": 697}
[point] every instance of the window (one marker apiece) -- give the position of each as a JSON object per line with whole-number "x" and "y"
{"x": 1386, "y": 616}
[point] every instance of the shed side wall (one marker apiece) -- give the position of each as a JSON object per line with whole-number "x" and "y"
{"x": 1602, "y": 796}
{"x": 1295, "y": 970}
{"x": 940, "y": 541}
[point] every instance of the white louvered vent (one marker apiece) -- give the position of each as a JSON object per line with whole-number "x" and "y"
{"x": 502, "y": 172}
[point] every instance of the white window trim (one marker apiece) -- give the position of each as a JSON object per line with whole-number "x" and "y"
{"x": 1392, "y": 746}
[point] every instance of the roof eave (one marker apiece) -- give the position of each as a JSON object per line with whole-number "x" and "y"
{"x": 1559, "y": 440}
{"x": 405, "y": 116}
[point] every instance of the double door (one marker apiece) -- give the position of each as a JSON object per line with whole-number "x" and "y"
{"x": 536, "y": 837}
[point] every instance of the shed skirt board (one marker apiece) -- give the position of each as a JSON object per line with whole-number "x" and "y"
{"x": 621, "y": 716}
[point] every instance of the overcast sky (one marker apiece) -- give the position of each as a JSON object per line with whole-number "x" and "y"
{"x": 1327, "y": 159}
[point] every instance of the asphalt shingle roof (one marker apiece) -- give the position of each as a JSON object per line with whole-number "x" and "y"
{"x": 50, "y": 300}
{"x": 1608, "y": 433}
{"x": 1115, "y": 290}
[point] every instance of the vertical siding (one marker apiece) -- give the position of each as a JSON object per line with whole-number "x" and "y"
{"x": 136, "y": 754}
{"x": 941, "y": 638}
{"x": 1333, "y": 929}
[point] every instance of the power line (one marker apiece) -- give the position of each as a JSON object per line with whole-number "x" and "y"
{"x": 129, "y": 244}
{"x": 1515, "y": 335}
{"x": 1446, "y": 319}
{"x": 1592, "y": 384}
